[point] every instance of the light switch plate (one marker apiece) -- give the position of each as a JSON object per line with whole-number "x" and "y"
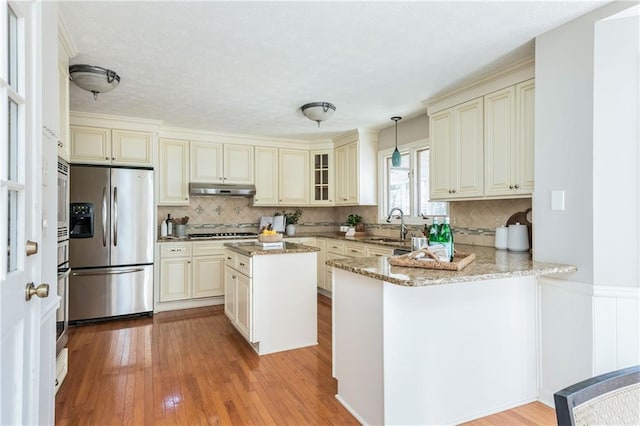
{"x": 557, "y": 200}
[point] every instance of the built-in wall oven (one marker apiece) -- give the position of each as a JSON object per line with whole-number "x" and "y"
{"x": 62, "y": 314}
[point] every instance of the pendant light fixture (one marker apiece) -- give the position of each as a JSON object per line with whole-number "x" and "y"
{"x": 395, "y": 157}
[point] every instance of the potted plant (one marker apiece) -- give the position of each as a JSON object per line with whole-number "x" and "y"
{"x": 291, "y": 219}
{"x": 355, "y": 221}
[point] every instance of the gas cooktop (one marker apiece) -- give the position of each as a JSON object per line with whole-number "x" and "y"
{"x": 222, "y": 235}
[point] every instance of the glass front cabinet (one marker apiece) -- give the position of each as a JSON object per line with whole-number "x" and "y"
{"x": 322, "y": 177}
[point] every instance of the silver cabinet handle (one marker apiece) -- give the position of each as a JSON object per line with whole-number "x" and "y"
{"x": 104, "y": 216}
{"x": 241, "y": 264}
{"x": 517, "y": 186}
{"x": 115, "y": 216}
{"x": 510, "y": 186}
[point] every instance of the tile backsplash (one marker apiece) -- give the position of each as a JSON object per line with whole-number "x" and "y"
{"x": 473, "y": 222}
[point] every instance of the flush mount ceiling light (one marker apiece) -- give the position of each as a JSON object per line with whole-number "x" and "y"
{"x": 395, "y": 157}
{"x": 318, "y": 111}
{"x": 93, "y": 79}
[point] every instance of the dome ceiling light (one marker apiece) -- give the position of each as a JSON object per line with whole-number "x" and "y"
{"x": 93, "y": 79}
{"x": 318, "y": 111}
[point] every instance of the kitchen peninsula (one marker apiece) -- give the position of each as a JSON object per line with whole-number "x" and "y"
{"x": 271, "y": 295}
{"x": 425, "y": 346}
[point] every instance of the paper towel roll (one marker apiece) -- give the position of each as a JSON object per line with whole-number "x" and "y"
{"x": 502, "y": 233}
{"x": 518, "y": 239}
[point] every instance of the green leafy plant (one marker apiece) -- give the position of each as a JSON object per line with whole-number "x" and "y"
{"x": 291, "y": 217}
{"x": 354, "y": 219}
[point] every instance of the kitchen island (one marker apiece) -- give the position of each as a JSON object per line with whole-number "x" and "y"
{"x": 271, "y": 296}
{"x": 425, "y": 346}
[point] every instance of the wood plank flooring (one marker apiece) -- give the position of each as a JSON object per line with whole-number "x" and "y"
{"x": 191, "y": 367}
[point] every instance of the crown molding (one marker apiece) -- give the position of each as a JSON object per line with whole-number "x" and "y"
{"x": 503, "y": 77}
{"x": 65, "y": 38}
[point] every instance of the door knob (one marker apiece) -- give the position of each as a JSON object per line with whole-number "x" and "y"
{"x": 41, "y": 291}
{"x": 32, "y": 247}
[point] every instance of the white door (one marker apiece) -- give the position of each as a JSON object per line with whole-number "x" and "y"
{"x": 19, "y": 217}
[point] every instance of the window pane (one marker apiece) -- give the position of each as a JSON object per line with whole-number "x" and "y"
{"x": 12, "y": 146}
{"x": 399, "y": 185}
{"x": 424, "y": 206}
{"x": 13, "y": 49}
{"x": 12, "y": 234}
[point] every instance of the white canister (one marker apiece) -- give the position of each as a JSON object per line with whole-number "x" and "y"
{"x": 502, "y": 237}
{"x": 518, "y": 239}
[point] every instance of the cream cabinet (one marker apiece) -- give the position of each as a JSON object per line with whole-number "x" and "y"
{"x": 175, "y": 271}
{"x": 96, "y": 145}
{"x": 223, "y": 163}
{"x": 322, "y": 177}
{"x": 266, "y": 174}
{"x": 238, "y": 295}
{"x": 293, "y": 180}
{"x": 509, "y": 141}
{"x": 208, "y": 269}
{"x": 456, "y": 158}
{"x": 173, "y": 172}
{"x": 355, "y": 169}
{"x": 63, "y": 93}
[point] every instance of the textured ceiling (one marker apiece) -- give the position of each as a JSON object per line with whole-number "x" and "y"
{"x": 247, "y": 67}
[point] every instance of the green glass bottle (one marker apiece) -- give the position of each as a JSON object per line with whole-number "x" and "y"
{"x": 446, "y": 238}
{"x": 434, "y": 232}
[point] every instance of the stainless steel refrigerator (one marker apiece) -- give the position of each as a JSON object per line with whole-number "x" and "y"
{"x": 110, "y": 242}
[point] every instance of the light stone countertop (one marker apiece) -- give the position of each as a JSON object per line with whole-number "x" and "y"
{"x": 489, "y": 264}
{"x": 254, "y": 249}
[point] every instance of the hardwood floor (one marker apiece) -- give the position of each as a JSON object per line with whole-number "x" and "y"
{"x": 191, "y": 367}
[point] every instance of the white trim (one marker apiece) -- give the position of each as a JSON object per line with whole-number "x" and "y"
{"x": 65, "y": 40}
{"x": 617, "y": 292}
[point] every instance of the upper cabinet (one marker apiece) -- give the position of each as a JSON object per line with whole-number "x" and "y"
{"x": 456, "y": 168}
{"x": 293, "y": 181}
{"x": 355, "y": 169}
{"x": 95, "y": 145}
{"x": 173, "y": 172}
{"x": 484, "y": 148}
{"x": 221, "y": 163}
{"x": 266, "y": 174}
{"x": 509, "y": 141}
{"x": 322, "y": 177}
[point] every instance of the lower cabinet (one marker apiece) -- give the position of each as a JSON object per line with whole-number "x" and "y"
{"x": 191, "y": 270}
{"x": 238, "y": 300}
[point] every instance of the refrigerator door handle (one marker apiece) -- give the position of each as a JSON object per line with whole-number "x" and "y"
{"x": 104, "y": 216}
{"x": 91, "y": 273}
{"x": 115, "y": 216}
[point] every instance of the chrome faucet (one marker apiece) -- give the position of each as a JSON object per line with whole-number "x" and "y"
{"x": 403, "y": 228}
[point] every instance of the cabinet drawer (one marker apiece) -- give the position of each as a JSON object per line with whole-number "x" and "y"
{"x": 175, "y": 249}
{"x": 378, "y": 251}
{"x": 355, "y": 250}
{"x": 335, "y": 247}
{"x": 243, "y": 264}
{"x": 207, "y": 248}
{"x": 230, "y": 258}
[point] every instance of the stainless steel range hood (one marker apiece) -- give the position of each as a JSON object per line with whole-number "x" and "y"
{"x": 222, "y": 189}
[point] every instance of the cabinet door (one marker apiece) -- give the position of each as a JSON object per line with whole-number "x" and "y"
{"x": 342, "y": 175}
{"x": 352, "y": 173}
{"x": 90, "y": 145}
{"x": 208, "y": 276}
{"x": 441, "y": 151}
{"x": 206, "y": 162}
{"x": 131, "y": 148}
{"x": 175, "y": 279}
{"x": 499, "y": 141}
{"x": 238, "y": 164}
{"x": 322, "y": 177}
{"x": 525, "y": 137}
{"x": 244, "y": 306}
{"x": 173, "y": 172}
{"x": 469, "y": 173}
{"x": 293, "y": 184}
{"x": 230, "y": 299}
{"x": 266, "y": 174}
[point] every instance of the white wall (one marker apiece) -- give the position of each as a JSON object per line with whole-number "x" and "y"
{"x": 586, "y": 145}
{"x": 408, "y": 131}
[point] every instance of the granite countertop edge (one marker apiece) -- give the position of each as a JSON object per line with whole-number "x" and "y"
{"x": 251, "y": 249}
